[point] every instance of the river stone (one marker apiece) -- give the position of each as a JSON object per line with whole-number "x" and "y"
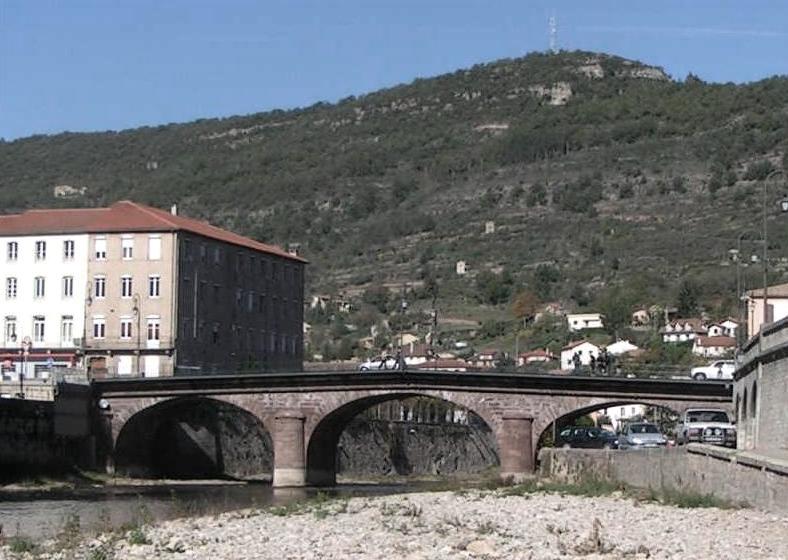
{"x": 481, "y": 548}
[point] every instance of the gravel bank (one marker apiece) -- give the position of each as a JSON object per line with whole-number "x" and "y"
{"x": 476, "y": 524}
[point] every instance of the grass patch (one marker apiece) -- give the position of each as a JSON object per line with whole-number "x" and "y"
{"x": 593, "y": 487}
{"x": 20, "y": 545}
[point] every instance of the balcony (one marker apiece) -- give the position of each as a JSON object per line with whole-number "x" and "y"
{"x": 127, "y": 344}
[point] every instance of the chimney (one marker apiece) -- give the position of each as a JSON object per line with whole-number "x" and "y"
{"x": 174, "y": 209}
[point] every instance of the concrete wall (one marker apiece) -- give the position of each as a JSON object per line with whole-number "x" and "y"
{"x": 760, "y": 389}
{"x": 729, "y": 475}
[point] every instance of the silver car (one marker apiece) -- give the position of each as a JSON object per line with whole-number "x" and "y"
{"x": 641, "y": 435}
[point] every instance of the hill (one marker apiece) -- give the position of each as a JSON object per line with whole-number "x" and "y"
{"x": 600, "y": 174}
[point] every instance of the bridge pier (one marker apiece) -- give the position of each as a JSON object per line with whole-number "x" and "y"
{"x": 516, "y": 447}
{"x": 289, "y": 456}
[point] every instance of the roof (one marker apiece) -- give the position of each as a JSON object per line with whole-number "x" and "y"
{"x": 712, "y": 341}
{"x": 778, "y": 290}
{"x": 124, "y": 216}
{"x": 577, "y": 343}
{"x": 538, "y": 353}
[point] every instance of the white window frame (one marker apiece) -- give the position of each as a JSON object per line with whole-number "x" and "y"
{"x": 9, "y": 329}
{"x": 39, "y": 287}
{"x": 100, "y": 248}
{"x": 68, "y": 286}
{"x": 12, "y": 251}
{"x": 100, "y": 286}
{"x": 126, "y": 286}
{"x": 69, "y": 248}
{"x": 154, "y": 247}
{"x": 99, "y": 329}
{"x": 126, "y": 328}
{"x": 11, "y": 287}
{"x": 154, "y": 286}
{"x": 39, "y": 328}
{"x": 127, "y": 247}
{"x": 153, "y": 327}
{"x": 67, "y": 329}
{"x": 41, "y": 250}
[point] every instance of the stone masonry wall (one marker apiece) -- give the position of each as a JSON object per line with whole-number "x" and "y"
{"x": 696, "y": 469}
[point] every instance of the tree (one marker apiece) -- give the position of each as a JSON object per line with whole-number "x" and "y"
{"x": 688, "y": 298}
{"x": 493, "y": 288}
{"x": 525, "y": 306}
{"x": 615, "y": 305}
{"x": 545, "y": 276}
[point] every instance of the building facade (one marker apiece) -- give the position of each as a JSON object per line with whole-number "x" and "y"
{"x": 44, "y": 280}
{"x": 140, "y": 291}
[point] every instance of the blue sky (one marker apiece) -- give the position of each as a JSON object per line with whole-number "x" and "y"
{"x": 83, "y": 65}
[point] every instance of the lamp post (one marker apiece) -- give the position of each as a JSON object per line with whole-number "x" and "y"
{"x": 740, "y": 287}
{"x": 783, "y": 208}
{"x": 137, "y": 312}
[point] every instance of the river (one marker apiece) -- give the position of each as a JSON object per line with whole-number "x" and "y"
{"x": 44, "y": 516}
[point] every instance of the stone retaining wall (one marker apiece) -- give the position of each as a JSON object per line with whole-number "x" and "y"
{"x": 738, "y": 477}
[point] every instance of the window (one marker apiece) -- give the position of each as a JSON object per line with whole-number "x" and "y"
{"x": 239, "y": 294}
{"x": 154, "y": 328}
{"x": 10, "y": 328}
{"x": 39, "y": 324}
{"x": 68, "y": 286}
{"x": 100, "y": 286}
{"x": 250, "y": 302}
{"x": 99, "y": 326}
{"x": 216, "y": 292}
{"x": 154, "y": 285}
{"x": 127, "y": 248}
{"x": 101, "y": 248}
{"x": 13, "y": 250}
{"x": 125, "y": 328}
{"x": 203, "y": 252}
{"x": 187, "y": 250}
{"x": 67, "y": 329}
{"x": 68, "y": 249}
{"x": 41, "y": 250}
{"x": 154, "y": 247}
{"x": 217, "y": 255}
{"x": 10, "y": 288}
{"x": 39, "y": 287}
{"x": 125, "y": 286}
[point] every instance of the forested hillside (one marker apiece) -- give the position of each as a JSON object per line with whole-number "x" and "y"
{"x": 603, "y": 177}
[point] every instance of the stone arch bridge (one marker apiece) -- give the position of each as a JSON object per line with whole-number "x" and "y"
{"x": 305, "y": 413}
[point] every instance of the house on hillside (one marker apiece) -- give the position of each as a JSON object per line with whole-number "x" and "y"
{"x": 408, "y": 339}
{"x": 730, "y": 327}
{"x": 538, "y": 356}
{"x": 777, "y": 307}
{"x": 585, "y": 349}
{"x": 487, "y": 358}
{"x": 415, "y": 354}
{"x": 620, "y": 347}
{"x": 582, "y": 321}
{"x": 683, "y": 330}
{"x": 640, "y": 318}
{"x": 713, "y": 346}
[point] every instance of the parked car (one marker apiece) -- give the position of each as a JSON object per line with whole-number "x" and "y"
{"x": 640, "y": 435}
{"x": 721, "y": 369}
{"x": 707, "y": 425}
{"x": 379, "y": 363}
{"x": 587, "y": 437}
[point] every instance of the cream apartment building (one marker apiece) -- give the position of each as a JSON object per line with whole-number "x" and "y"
{"x": 154, "y": 294}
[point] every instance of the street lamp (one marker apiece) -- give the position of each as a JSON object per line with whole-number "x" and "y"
{"x": 740, "y": 299}
{"x": 783, "y": 208}
{"x": 137, "y": 312}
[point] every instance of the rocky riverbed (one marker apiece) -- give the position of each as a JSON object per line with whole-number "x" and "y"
{"x": 500, "y": 523}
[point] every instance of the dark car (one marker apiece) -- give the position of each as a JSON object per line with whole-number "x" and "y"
{"x": 589, "y": 438}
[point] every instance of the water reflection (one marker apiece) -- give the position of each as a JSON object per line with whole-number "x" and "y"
{"x": 39, "y": 519}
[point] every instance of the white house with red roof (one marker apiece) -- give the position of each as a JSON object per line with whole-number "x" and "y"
{"x": 713, "y": 346}
{"x": 683, "y": 330}
{"x": 584, "y": 349}
{"x": 535, "y": 356}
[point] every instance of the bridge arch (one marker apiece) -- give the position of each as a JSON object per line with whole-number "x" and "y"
{"x": 323, "y": 439}
{"x": 566, "y": 418}
{"x": 194, "y": 437}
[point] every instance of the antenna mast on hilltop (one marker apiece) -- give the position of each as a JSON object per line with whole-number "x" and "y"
{"x": 552, "y": 24}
